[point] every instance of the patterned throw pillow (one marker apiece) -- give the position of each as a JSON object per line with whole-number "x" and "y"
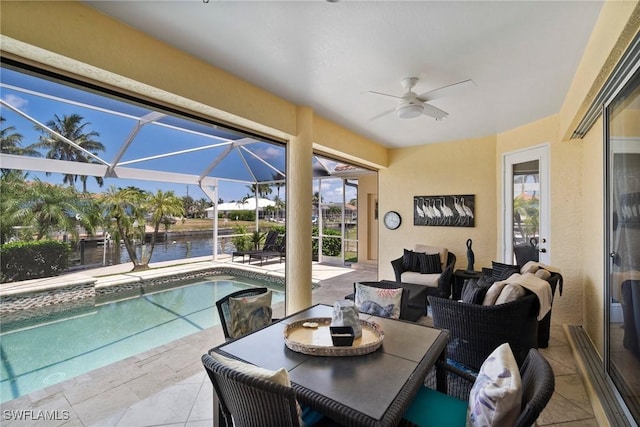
{"x": 378, "y": 301}
{"x": 249, "y": 313}
{"x": 429, "y": 264}
{"x": 496, "y": 396}
{"x": 503, "y": 271}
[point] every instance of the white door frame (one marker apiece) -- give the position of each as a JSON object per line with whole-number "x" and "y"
{"x": 540, "y": 153}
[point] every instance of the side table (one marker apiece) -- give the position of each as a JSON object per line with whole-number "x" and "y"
{"x": 459, "y": 276}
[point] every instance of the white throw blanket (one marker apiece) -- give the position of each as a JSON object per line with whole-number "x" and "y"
{"x": 540, "y": 287}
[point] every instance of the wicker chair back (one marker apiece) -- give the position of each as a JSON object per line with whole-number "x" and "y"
{"x": 247, "y": 401}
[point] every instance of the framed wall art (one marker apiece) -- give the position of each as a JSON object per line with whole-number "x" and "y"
{"x": 447, "y": 211}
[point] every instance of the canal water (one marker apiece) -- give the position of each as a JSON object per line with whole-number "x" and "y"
{"x": 173, "y": 247}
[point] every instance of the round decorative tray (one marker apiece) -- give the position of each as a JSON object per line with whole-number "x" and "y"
{"x": 316, "y": 340}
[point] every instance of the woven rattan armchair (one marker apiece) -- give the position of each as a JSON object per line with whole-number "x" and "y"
{"x": 223, "y": 306}
{"x": 444, "y": 282}
{"x": 476, "y": 330}
{"x": 538, "y": 384}
{"x": 249, "y": 400}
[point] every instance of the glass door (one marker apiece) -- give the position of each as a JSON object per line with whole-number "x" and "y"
{"x": 525, "y": 201}
{"x": 623, "y": 216}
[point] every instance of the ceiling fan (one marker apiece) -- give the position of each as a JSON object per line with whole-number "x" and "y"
{"x": 412, "y": 105}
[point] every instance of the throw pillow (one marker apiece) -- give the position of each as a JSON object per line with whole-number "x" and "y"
{"x": 378, "y": 301}
{"x": 473, "y": 291}
{"x": 493, "y": 293}
{"x": 281, "y": 376}
{"x": 486, "y": 280}
{"x": 429, "y": 264}
{"x": 249, "y": 314}
{"x": 430, "y": 250}
{"x": 510, "y": 292}
{"x": 410, "y": 261}
{"x": 503, "y": 271}
{"x": 496, "y": 395}
{"x": 543, "y": 274}
{"x": 306, "y": 415}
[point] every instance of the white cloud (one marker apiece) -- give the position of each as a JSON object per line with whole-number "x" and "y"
{"x": 15, "y": 101}
{"x": 270, "y": 153}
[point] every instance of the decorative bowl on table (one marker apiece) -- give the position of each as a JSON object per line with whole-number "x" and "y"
{"x": 342, "y": 336}
{"x": 316, "y": 339}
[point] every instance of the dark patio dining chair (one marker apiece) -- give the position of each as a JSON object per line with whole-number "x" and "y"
{"x": 225, "y": 312}
{"x": 432, "y": 408}
{"x": 248, "y": 401}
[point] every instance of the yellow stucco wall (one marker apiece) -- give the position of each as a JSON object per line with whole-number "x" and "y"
{"x": 592, "y": 254}
{"x": 461, "y": 167}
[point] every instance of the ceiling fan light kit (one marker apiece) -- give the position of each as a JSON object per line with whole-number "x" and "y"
{"x": 410, "y": 105}
{"x": 409, "y": 111}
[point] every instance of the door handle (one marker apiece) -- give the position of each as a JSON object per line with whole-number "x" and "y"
{"x": 543, "y": 250}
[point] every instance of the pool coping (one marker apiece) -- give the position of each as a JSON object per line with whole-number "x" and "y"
{"x": 26, "y": 300}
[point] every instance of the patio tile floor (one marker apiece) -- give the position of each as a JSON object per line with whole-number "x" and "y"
{"x": 167, "y": 386}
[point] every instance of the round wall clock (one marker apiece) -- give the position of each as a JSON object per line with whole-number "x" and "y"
{"x": 392, "y": 220}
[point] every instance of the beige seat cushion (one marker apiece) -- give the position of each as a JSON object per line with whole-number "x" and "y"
{"x": 417, "y": 278}
{"x": 434, "y": 250}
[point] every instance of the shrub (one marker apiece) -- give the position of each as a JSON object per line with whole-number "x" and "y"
{"x": 242, "y": 215}
{"x": 241, "y": 242}
{"x": 331, "y": 246}
{"x": 32, "y": 260}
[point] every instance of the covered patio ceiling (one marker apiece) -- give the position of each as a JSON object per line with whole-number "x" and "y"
{"x": 142, "y": 141}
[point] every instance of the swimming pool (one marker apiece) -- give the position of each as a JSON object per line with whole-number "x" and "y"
{"x": 37, "y": 356}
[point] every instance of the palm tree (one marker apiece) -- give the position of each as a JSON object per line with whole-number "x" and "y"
{"x": 12, "y": 188}
{"x": 73, "y": 128}
{"x": 11, "y": 143}
{"x": 161, "y": 206}
{"x": 48, "y": 208}
{"x": 261, "y": 189}
{"x": 123, "y": 210}
{"x": 189, "y": 206}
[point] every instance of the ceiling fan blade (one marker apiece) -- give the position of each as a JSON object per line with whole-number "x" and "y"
{"x": 449, "y": 90}
{"x": 384, "y": 113}
{"x": 436, "y": 113}
{"x": 383, "y": 94}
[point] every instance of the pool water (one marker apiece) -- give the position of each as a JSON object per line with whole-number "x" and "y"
{"x": 41, "y": 355}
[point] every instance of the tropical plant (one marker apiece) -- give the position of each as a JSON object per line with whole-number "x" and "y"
{"x": 161, "y": 206}
{"x": 526, "y": 212}
{"x": 262, "y": 190}
{"x": 241, "y": 241}
{"x": 11, "y": 143}
{"x": 189, "y": 206}
{"x": 74, "y": 129}
{"x": 124, "y": 210}
{"x": 47, "y": 208}
{"x": 32, "y": 260}
{"x": 12, "y": 189}
{"x": 256, "y": 238}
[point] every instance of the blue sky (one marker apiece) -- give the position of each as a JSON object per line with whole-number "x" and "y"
{"x": 152, "y": 140}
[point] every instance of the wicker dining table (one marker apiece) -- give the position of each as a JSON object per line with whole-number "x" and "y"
{"x": 373, "y": 389}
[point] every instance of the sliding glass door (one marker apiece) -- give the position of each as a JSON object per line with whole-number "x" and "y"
{"x": 623, "y": 216}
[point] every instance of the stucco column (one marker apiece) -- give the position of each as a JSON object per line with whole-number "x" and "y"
{"x": 299, "y": 199}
